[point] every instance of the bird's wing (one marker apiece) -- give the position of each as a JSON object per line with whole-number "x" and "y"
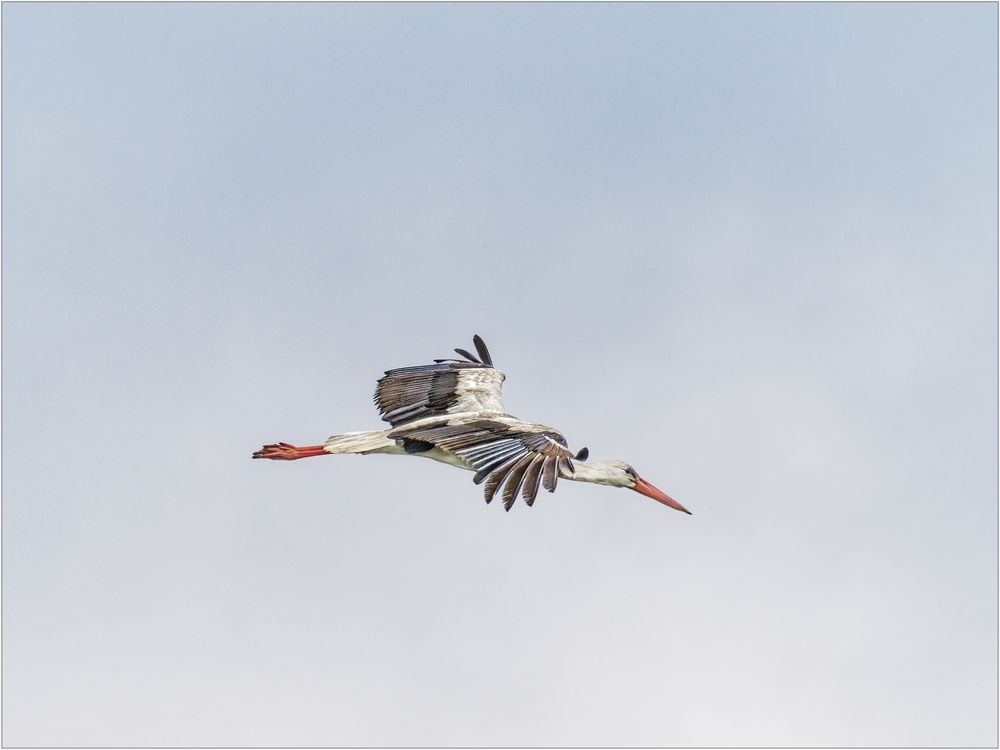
{"x": 448, "y": 386}
{"x": 500, "y": 451}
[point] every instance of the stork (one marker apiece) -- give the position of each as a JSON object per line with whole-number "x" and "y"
{"x": 452, "y": 411}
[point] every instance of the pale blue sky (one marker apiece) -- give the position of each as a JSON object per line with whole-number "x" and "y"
{"x": 750, "y": 249}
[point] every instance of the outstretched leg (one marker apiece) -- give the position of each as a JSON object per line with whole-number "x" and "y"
{"x": 353, "y": 442}
{"x": 289, "y": 452}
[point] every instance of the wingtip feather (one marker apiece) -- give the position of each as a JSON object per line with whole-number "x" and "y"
{"x": 484, "y": 353}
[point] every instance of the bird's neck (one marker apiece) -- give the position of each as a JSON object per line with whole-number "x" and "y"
{"x": 596, "y": 472}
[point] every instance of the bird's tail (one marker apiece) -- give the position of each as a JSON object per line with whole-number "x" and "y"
{"x": 373, "y": 441}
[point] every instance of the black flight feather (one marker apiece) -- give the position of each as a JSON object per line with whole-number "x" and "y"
{"x": 550, "y": 473}
{"x": 514, "y": 478}
{"x": 484, "y": 353}
{"x": 532, "y": 480}
{"x": 496, "y": 478}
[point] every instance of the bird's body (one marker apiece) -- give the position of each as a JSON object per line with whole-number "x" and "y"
{"x": 452, "y": 411}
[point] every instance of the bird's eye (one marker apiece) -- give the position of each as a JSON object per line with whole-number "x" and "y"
{"x": 631, "y": 472}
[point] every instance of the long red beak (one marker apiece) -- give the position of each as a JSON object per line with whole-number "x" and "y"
{"x": 645, "y": 488}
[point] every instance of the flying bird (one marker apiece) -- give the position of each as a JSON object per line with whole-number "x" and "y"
{"x": 452, "y": 411}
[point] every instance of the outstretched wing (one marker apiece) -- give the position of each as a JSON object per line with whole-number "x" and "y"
{"x": 501, "y": 451}
{"x": 448, "y": 386}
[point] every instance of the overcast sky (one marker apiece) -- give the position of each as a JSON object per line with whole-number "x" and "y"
{"x": 749, "y": 249}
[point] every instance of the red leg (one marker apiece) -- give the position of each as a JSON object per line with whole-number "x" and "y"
{"x": 288, "y": 452}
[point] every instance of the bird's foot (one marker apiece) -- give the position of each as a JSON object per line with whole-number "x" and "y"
{"x": 288, "y": 452}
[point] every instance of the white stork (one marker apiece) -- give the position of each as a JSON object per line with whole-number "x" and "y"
{"x": 452, "y": 411}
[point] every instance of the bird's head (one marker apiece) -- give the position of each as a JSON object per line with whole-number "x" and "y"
{"x": 620, "y": 474}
